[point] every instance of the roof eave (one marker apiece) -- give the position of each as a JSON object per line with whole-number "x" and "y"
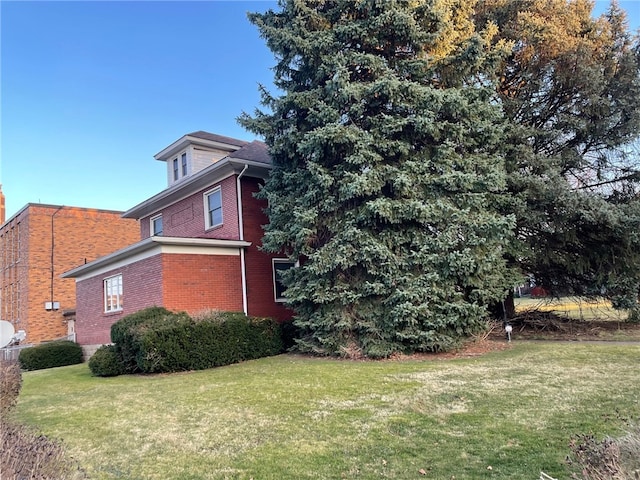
{"x": 187, "y": 140}
{"x": 199, "y": 181}
{"x": 148, "y": 244}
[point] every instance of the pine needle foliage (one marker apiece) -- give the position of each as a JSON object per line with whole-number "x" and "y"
{"x": 570, "y": 90}
{"x": 384, "y": 172}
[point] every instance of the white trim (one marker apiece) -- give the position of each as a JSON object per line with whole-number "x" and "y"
{"x": 273, "y": 274}
{"x": 205, "y": 202}
{"x": 120, "y": 294}
{"x": 196, "y": 182}
{"x": 175, "y": 170}
{"x": 152, "y": 246}
{"x": 151, "y": 226}
{"x": 243, "y": 272}
{"x": 187, "y": 140}
{"x": 184, "y": 164}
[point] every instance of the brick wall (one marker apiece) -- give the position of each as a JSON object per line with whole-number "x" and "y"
{"x": 190, "y": 282}
{"x": 14, "y": 271}
{"x": 260, "y": 296}
{"x": 141, "y": 285}
{"x": 79, "y": 235}
{"x": 179, "y": 282}
{"x": 197, "y": 282}
{"x": 186, "y": 217}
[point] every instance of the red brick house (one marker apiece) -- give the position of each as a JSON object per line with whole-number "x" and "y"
{"x": 200, "y": 242}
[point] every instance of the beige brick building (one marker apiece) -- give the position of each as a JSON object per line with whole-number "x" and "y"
{"x": 37, "y": 245}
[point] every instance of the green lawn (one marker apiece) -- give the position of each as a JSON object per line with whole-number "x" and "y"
{"x": 505, "y": 415}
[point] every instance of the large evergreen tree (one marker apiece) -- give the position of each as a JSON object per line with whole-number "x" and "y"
{"x": 570, "y": 89}
{"x": 384, "y": 157}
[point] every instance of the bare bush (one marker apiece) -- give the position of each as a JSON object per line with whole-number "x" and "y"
{"x": 26, "y": 455}
{"x": 10, "y": 384}
{"x": 629, "y": 446}
{"x": 608, "y": 459}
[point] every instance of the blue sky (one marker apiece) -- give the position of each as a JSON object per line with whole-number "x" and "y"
{"x": 90, "y": 91}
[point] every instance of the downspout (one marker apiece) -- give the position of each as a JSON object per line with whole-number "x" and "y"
{"x": 243, "y": 272}
{"x": 52, "y": 253}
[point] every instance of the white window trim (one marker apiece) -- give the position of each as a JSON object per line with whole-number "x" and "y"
{"x": 153, "y": 219}
{"x": 175, "y": 169}
{"x": 205, "y": 203}
{"x": 184, "y": 164}
{"x": 273, "y": 274}
{"x": 119, "y": 306}
{"x": 176, "y": 172}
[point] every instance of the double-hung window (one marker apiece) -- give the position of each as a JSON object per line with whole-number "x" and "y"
{"x": 184, "y": 164}
{"x": 213, "y": 208}
{"x": 176, "y": 172}
{"x": 280, "y": 265}
{"x": 156, "y": 225}
{"x": 113, "y": 294}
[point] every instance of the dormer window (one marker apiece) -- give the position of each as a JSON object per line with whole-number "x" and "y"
{"x": 179, "y": 167}
{"x": 156, "y": 225}
{"x": 176, "y": 172}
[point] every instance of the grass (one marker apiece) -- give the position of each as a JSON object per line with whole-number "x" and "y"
{"x": 504, "y": 415}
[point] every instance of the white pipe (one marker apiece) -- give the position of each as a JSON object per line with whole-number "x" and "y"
{"x": 243, "y": 272}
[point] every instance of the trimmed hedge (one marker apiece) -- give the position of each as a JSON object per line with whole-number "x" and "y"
{"x": 106, "y": 362}
{"x": 49, "y": 355}
{"x": 128, "y": 332}
{"x": 156, "y": 340}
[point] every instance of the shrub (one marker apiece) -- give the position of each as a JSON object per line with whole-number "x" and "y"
{"x": 49, "y": 355}
{"x": 127, "y": 333}
{"x": 106, "y": 362}
{"x": 10, "y": 384}
{"x": 223, "y": 339}
{"x": 157, "y": 340}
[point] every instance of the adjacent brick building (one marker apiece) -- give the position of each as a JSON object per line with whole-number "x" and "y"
{"x": 200, "y": 246}
{"x": 37, "y": 245}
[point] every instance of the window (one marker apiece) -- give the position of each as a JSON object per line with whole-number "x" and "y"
{"x": 280, "y": 265}
{"x": 184, "y": 164}
{"x": 176, "y": 172}
{"x": 156, "y": 225}
{"x": 213, "y": 208}
{"x": 113, "y": 294}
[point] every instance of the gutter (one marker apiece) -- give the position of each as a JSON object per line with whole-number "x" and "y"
{"x": 243, "y": 272}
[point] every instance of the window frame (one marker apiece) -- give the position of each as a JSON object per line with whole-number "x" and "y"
{"x": 152, "y": 222}
{"x": 176, "y": 171}
{"x": 107, "y": 287}
{"x": 277, "y": 285}
{"x": 207, "y": 213}
{"x": 184, "y": 164}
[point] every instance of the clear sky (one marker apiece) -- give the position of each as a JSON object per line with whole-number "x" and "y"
{"x": 90, "y": 91}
